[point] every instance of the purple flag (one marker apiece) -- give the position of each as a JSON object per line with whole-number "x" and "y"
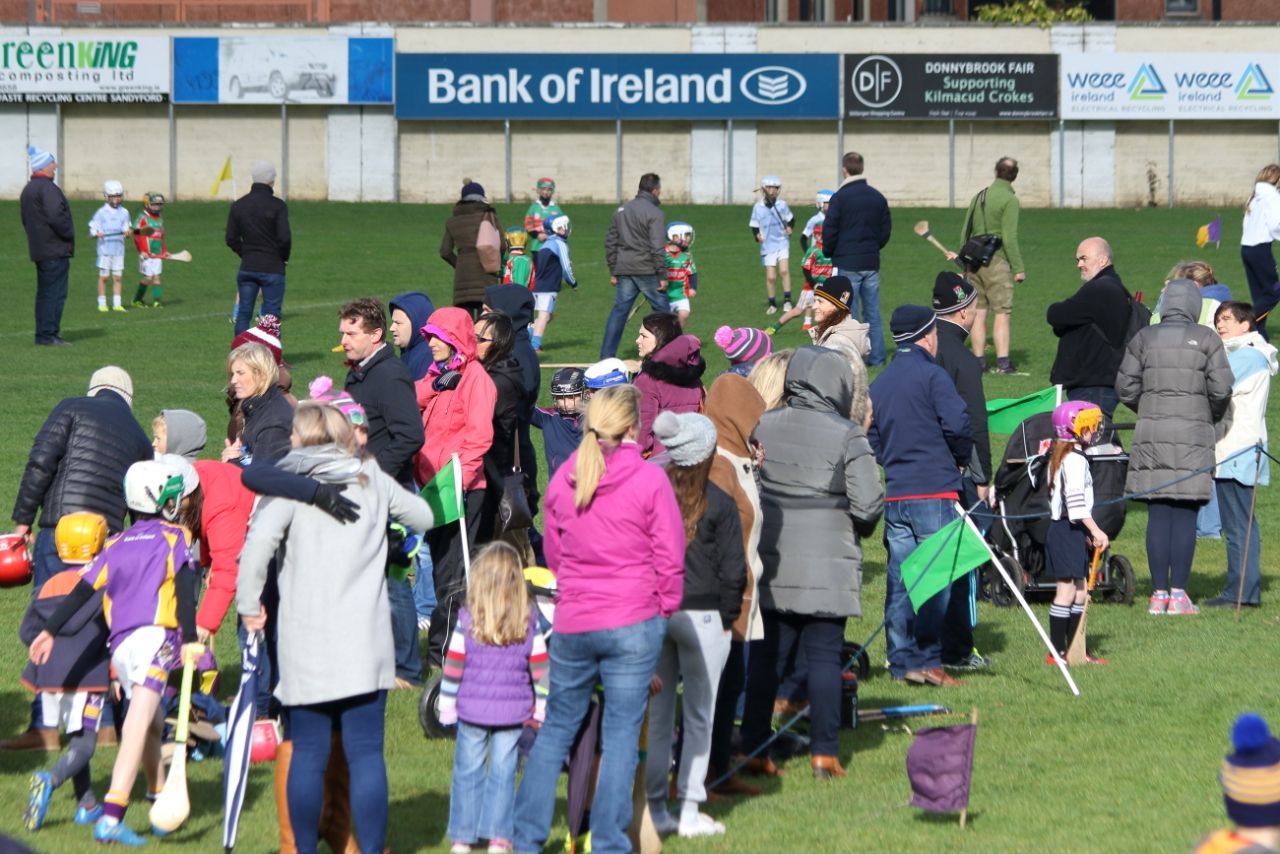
{"x": 940, "y": 767}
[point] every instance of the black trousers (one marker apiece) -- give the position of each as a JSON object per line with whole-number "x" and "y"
{"x": 51, "y": 296}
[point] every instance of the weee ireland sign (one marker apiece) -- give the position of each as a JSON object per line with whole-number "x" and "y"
{"x": 1170, "y": 86}
{"x": 89, "y": 69}
{"x": 616, "y": 86}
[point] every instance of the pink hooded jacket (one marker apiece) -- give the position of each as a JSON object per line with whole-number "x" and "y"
{"x": 621, "y": 560}
{"x": 670, "y": 378}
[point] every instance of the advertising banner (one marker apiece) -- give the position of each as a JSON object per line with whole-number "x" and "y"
{"x": 295, "y": 70}
{"x": 1170, "y": 86}
{"x": 616, "y": 86}
{"x": 957, "y": 86}
{"x": 92, "y": 69}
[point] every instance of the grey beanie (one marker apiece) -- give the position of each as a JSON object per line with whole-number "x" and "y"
{"x": 689, "y": 437}
{"x": 263, "y": 172}
{"x": 185, "y": 433}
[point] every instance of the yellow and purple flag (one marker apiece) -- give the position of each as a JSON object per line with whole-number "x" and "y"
{"x": 1211, "y": 232}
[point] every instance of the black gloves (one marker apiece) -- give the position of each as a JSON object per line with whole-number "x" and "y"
{"x": 330, "y": 499}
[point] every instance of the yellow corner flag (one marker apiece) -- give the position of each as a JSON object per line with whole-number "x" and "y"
{"x": 224, "y": 175}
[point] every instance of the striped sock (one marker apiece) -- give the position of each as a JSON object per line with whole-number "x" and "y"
{"x": 1059, "y": 620}
{"x": 115, "y": 804}
{"x": 1074, "y": 625}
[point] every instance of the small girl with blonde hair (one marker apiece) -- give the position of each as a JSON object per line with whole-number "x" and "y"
{"x": 495, "y": 682}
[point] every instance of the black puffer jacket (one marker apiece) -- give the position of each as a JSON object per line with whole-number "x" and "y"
{"x": 268, "y": 426}
{"x": 78, "y": 461}
{"x": 500, "y": 457}
{"x": 715, "y": 565}
{"x": 47, "y": 219}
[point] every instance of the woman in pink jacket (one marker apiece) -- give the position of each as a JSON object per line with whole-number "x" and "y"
{"x": 615, "y": 540}
{"x": 670, "y": 375}
{"x": 456, "y": 398}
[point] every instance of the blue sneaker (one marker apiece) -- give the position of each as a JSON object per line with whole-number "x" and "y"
{"x": 38, "y": 801}
{"x": 116, "y": 833}
{"x": 88, "y": 816}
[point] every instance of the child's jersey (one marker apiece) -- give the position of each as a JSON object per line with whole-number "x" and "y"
{"x": 152, "y": 246}
{"x": 534, "y": 219}
{"x": 816, "y": 265}
{"x": 772, "y": 222}
{"x": 560, "y": 435}
{"x": 813, "y": 227}
{"x": 518, "y": 270}
{"x": 552, "y": 265}
{"x": 139, "y": 568}
{"x": 1071, "y": 493}
{"x": 111, "y": 222}
{"x": 682, "y": 273}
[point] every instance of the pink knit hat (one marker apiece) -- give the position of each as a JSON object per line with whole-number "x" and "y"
{"x": 266, "y": 333}
{"x": 744, "y": 344}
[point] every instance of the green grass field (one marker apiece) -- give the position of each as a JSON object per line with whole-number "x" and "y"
{"x": 1128, "y": 766}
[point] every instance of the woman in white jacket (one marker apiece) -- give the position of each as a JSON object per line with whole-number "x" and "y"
{"x": 1253, "y": 364}
{"x": 1261, "y": 227}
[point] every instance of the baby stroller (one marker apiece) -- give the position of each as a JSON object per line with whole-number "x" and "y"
{"x": 542, "y": 591}
{"x": 1022, "y": 488}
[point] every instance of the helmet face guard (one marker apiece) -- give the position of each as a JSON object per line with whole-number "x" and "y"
{"x": 1071, "y": 420}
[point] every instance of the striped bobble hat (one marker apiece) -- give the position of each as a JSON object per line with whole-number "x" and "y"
{"x": 1250, "y": 776}
{"x": 744, "y": 344}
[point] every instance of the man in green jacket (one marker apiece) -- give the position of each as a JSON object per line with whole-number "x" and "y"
{"x": 995, "y": 211}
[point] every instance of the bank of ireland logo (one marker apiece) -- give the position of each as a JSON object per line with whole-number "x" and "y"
{"x": 876, "y": 81}
{"x": 1254, "y": 85}
{"x": 1147, "y": 85}
{"x": 773, "y": 85}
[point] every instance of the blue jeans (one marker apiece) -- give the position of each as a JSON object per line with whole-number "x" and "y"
{"x": 360, "y": 719}
{"x": 249, "y": 283}
{"x": 481, "y": 805}
{"x": 1103, "y": 395}
{"x": 1209, "y": 519}
{"x": 51, "y": 296}
{"x": 424, "y": 584}
{"x": 623, "y": 660}
{"x": 1233, "y": 501}
{"x": 625, "y": 294}
{"x": 404, "y": 630}
{"x": 914, "y": 640}
{"x": 865, "y": 305}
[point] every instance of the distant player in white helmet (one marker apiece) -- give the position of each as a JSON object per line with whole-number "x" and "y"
{"x": 551, "y": 266}
{"x": 110, "y": 225}
{"x": 771, "y": 223}
{"x": 682, "y": 272}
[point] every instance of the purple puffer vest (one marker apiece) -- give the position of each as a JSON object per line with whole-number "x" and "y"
{"x": 496, "y": 688}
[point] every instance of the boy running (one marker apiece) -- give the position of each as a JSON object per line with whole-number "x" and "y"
{"x": 518, "y": 267}
{"x": 771, "y": 222}
{"x": 682, "y": 273}
{"x": 542, "y": 210}
{"x": 110, "y": 225}
{"x": 550, "y": 267}
{"x": 151, "y": 249}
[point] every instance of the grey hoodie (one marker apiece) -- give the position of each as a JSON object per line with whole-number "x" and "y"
{"x": 185, "y": 433}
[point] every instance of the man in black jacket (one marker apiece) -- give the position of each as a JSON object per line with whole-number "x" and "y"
{"x": 51, "y": 241}
{"x": 1091, "y": 326}
{"x": 635, "y": 251}
{"x": 258, "y": 231}
{"x": 856, "y": 228}
{"x": 77, "y": 463}
{"x": 379, "y": 381}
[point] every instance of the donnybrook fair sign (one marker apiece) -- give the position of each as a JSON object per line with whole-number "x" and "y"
{"x": 616, "y": 86}
{"x": 92, "y": 68}
{"x": 1170, "y": 86}
{"x": 957, "y": 86}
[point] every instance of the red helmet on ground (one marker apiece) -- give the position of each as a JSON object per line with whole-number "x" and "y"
{"x": 15, "y": 562}
{"x": 266, "y": 737}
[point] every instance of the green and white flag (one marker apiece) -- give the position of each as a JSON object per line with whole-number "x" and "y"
{"x": 1005, "y": 414}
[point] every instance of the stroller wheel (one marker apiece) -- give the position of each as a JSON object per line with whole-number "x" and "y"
{"x": 1123, "y": 582}
{"x": 429, "y": 710}
{"x": 995, "y": 588}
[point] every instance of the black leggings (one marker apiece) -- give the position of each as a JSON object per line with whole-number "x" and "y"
{"x": 1260, "y": 272}
{"x": 1171, "y": 542}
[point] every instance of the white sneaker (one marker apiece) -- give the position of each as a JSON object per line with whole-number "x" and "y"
{"x": 702, "y": 825}
{"x": 772, "y": 309}
{"x": 786, "y": 306}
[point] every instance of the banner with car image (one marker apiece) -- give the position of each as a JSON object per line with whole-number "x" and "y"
{"x": 271, "y": 70}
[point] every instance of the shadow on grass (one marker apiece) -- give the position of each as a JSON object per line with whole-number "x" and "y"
{"x": 945, "y": 818}
{"x": 418, "y": 821}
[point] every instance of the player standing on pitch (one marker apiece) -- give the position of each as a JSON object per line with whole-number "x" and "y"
{"x": 110, "y": 225}
{"x": 771, "y": 223}
{"x": 151, "y": 249}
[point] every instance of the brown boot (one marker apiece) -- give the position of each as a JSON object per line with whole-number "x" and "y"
{"x": 734, "y": 785}
{"x": 761, "y": 766}
{"x": 284, "y": 755}
{"x": 826, "y": 767}
{"x": 335, "y": 814}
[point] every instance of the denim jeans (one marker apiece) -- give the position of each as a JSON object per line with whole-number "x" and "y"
{"x": 1233, "y": 501}
{"x": 249, "y": 283}
{"x": 1103, "y": 395}
{"x": 424, "y": 584}
{"x": 625, "y": 294}
{"x": 404, "y": 630}
{"x": 481, "y": 804}
{"x": 51, "y": 296}
{"x": 360, "y": 720}
{"x": 914, "y": 640}
{"x": 623, "y": 660}
{"x": 865, "y": 305}
{"x": 1209, "y": 519}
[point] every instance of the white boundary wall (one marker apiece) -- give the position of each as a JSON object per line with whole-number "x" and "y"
{"x": 353, "y": 153}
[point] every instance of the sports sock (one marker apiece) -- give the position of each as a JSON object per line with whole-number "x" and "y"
{"x": 1074, "y": 624}
{"x": 155, "y": 292}
{"x": 74, "y": 759}
{"x": 88, "y": 801}
{"x": 786, "y": 296}
{"x": 102, "y": 302}
{"x": 141, "y": 292}
{"x": 114, "y": 805}
{"x": 115, "y": 300}
{"x": 773, "y": 301}
{"x": 773, "y": 327}
{"x": 1059, "y": 620}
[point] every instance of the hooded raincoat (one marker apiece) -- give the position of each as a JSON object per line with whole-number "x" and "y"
{"x": 669, "y": 379}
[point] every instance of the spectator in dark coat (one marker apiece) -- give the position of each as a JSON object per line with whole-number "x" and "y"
{"x": 1090, "y": 326}
{"x": 494, "y": 343}
{"x": 258, "y": 231}
{"x": 635, "y": 251}
{"x": 458, "y": 249}
{"x": 51, "y": 241}
{"x": 857, "y": 227}
{"x": 267, "y": 414}
{"x": 516, "y": 302}
{"x": 409, "y": 313}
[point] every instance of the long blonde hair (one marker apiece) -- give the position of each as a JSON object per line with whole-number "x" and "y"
{"x": 318, "y": 423}
{"x": 1197, "y": 271}
{"x": 258, "y": 359}
{"x": 497, "y": 597}
{"x": 769, "y": 377}
{"x": 610, "y": 414}
{"x": 1270, "y": 174}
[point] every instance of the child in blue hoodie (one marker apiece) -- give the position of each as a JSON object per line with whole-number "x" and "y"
{"x": 550, "y": 266}
{"x": 562, "y": 427}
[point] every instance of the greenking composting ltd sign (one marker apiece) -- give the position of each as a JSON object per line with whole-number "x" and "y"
{"x": 84, "y": 70}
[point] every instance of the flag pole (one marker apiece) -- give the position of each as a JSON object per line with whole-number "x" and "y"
{"x": 462, "y": 517}
{"x": 1013, "y": 588}
{"x": 964, "y": 811}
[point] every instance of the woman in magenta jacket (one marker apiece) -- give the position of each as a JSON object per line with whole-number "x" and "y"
{"x": 670, "y": 375}
{"x": 615, "y": 540}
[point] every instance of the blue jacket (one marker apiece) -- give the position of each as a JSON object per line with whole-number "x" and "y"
{"x": 560, "y": 436}
{"x": 417, "y": 356}
{"x": 552, "y": 264}
{"x": 857, "y": 226}
{"x": 919, "y": 428}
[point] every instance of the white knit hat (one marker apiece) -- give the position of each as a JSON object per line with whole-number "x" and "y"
{"x": 111, "y": 378}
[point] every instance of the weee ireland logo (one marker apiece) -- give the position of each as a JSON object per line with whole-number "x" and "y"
{"x": 1147, "y": 85}
{"x": 1254, "y": 85}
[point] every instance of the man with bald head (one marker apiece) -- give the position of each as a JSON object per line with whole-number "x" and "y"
{"x": 1091, "y": 326}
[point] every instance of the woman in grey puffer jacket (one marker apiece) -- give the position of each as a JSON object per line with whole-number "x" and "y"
{"x": 1175, "y": 375}
{"x": 820, "y": 494}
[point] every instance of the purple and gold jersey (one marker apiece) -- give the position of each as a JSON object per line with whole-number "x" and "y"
{"x": 138, "y": 568}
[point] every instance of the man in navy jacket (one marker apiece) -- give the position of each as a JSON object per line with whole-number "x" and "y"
{"x": 857, "y": 227}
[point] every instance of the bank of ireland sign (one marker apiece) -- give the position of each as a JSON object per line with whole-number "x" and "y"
{"x": 616, "y": 86}
{"x": 1170, "y": 86}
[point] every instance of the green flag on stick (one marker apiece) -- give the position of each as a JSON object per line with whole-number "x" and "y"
{"x": 955, "y": 550}
{"x": 1005, "y": 414}
{"x": 444, "y": 493}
